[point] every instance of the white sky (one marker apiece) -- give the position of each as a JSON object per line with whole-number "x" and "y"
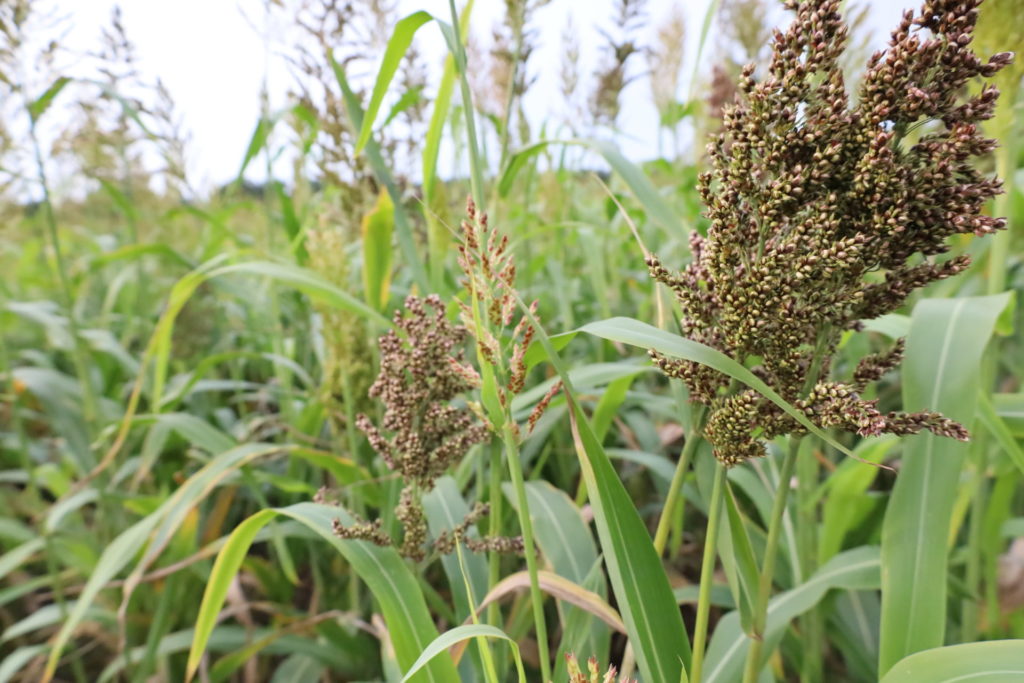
{"x": 212, "y": 61}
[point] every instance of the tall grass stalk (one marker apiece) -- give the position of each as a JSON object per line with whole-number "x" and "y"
{"x": 668, "y": 511}
{"x": 707, "y": 573}
{"x": 771, "y": 550}
{"x": 515, "y": 470}
{"x": 476, "y": 172}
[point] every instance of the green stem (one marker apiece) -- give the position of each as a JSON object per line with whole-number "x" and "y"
{"x": 515, "y": 471}
{"x": 476, "y": 178}
{"x": 707, "y": 570}
{"x": 494, "y": 559}
{"x": 975, "y": 530}
{"x": 80, "y": 354}
{"x": 485, "y": 649}
{"x": 764, "y": 584}
{"x": 811, "y": 623}
{"x": 671, "y": 500}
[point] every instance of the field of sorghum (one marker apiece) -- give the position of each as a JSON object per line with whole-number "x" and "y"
{"x": 750, "y": 411}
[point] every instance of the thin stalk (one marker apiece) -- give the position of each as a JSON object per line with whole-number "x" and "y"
{"x": 812, "y": 626}
{"x": 355, "y": 499}
{"x": 510, "y": 91}
{"x": 707, "y": 570}
{"x": 515, "y": 471}
{"x": 482, "y": 644}
{"x": 494, "y": 558}
{"x": 764, "y": 584}
{"x": 476, "y": 177}
{"x": 671, "y": 500}
{"x": 975, "y": 532}
{"x": 79, "y": 355}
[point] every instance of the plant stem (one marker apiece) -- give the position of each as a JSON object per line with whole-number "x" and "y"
{"x": 515, "y": 471}
{"x": 811, "y": 623}
{"x": 80, "y": 355}
{"x": 476, "y": 178}
{"x": 494, "y": 559}
{"x": 707, "y": 570}
{"x": 671, "y": 500}
{"x": 764, "y": 584}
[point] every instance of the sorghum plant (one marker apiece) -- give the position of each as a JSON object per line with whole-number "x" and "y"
{"x": 490, "y": 272}
{"x": 423, "y": 432}
{"x": 824, "y": 214}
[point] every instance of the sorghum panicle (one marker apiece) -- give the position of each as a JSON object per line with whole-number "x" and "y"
{"x": 809, "y": 196}
{"x": 490, "y": 276}
{"x": 422, "y": 432}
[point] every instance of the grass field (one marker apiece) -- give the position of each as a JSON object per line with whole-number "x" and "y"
{"x": 745, "y": 413}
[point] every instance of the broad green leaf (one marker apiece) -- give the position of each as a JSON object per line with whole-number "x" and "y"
{"x": 638, "y": 580}
{"x": 846, "y": 504}
{"x": 997, "y": 661}
{"x": 608, "y": 406}
{"x": 736, "y": 549}
{"x": 1010, "y": 407}
{"x": 398, "y": 45}
{"x": 378, "y": 226}
{"x": 856, "y": 569}
{"x": 257, "y": 141}
{"x": 229, "y": 638}
{"x": 636, "y": 333}
{"x": 65, "y": 506}
{"x": 568, "y": 546}
{"x": 409, "y": 623}
{"x": 305, "y": 281}
{"x": 941, "y": 371}
{"x": 645, "y": 599}
{"x": 51, "y": 614}
{"x": 444, "y": 641}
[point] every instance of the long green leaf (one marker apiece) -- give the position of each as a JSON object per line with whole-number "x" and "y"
{"x": 856, "y": 569}
{"x": 434, "y": 204}
{"x": 997, "y": 661}
{"x": 636, "y": 333}
{"x": 457, "y": 635}
{"x": 405, "y": 612}
{"x": 445, "y": 509}
{"x": 638, "y": 580}
{"x": 569, "y": 548}
{"x": 126, "y": 546}
{"x": 403, "y": 227}
{"x": 43, "y": 102}
{"x": 398, "y": 45}
{"x": 940, "y": 372}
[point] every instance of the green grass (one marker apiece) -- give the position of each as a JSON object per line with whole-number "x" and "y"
{"x": 179, "y": 380}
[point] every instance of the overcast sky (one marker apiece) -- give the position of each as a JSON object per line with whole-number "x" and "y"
{"x": 212, "y": 61}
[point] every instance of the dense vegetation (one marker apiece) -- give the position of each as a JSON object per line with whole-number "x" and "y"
{"x": 746, "y": 413}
